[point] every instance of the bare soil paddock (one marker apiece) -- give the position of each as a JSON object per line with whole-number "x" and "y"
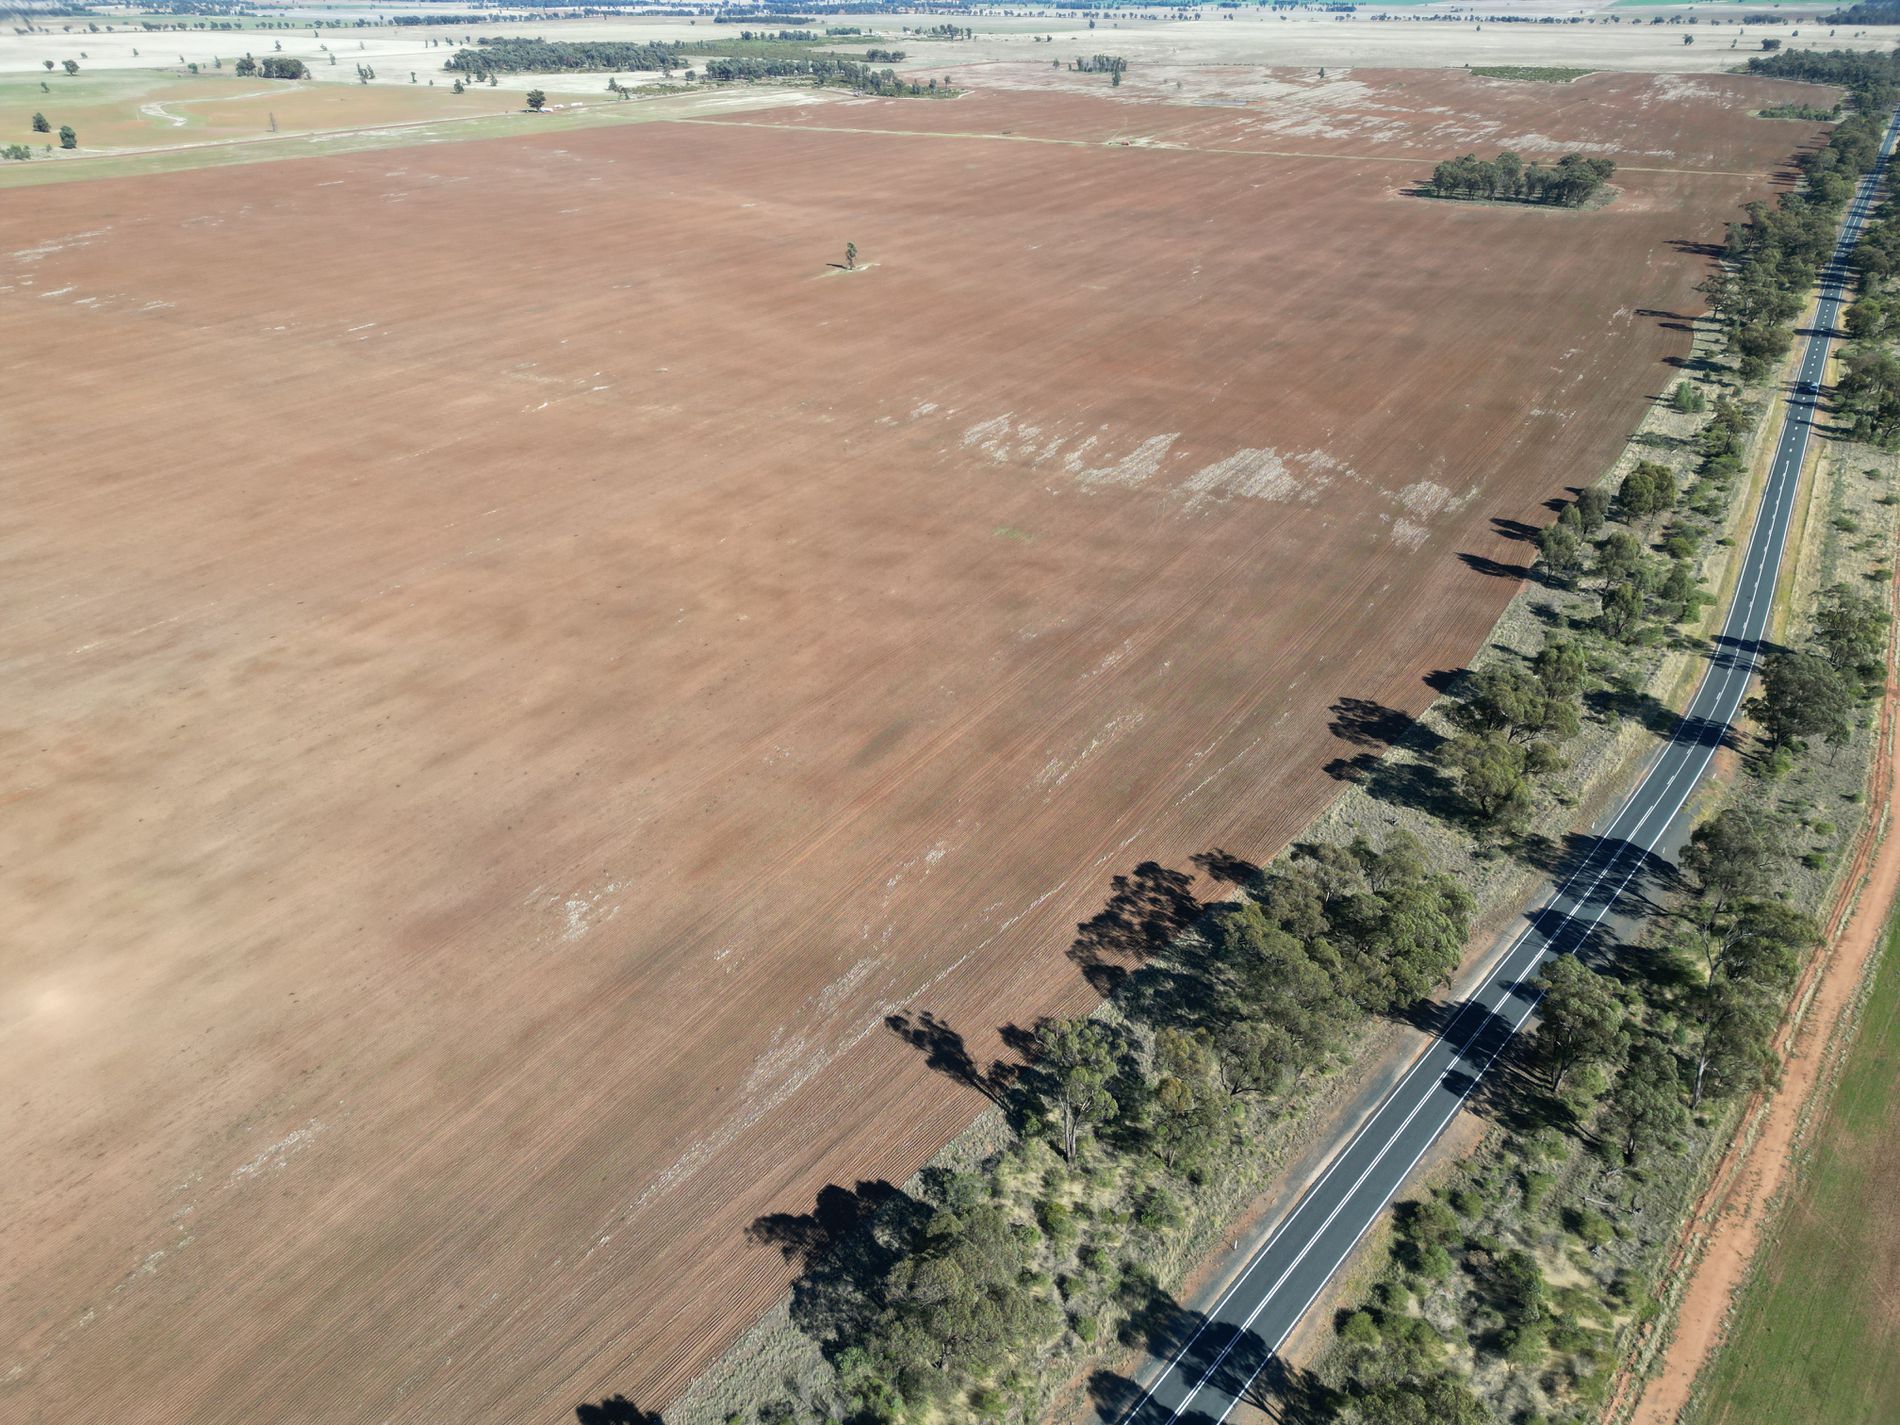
{"x": 516, "y": 666}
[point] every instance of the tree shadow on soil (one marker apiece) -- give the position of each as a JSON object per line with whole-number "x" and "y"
{"x": 1514, "y": 529}
{"x": 1147, "y": 910}
{"x": 1495, "y": 568}
{"x": 946, "y": 1051}
{"x": 1364, "y": 722}
{"x": 1669, "y": 321}
{"x": 1514, "y": 1092}
{"x": 616, "y": 1410}
{"x": 1695, "y": 365}
{"x": 837, "y": 1213}
{"x": 1612, "y": 703}
{"x": 1376, "y": 729}
{"x": 841, "y": 1260}
{"x": 1696, "y": 247}
{"x": 1226, "y": 868}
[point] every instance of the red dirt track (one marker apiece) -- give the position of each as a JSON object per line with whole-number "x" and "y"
{"x": 516, "y": 667}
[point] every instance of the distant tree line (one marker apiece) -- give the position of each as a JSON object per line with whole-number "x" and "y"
{"x": 1099, "y": 64}
{"x": 520, "y": 55}
{"x": 499, "y": 56}
{"x": 820, "y": 69}
{"x": 271, "y": 66}
{"x": 1870, "y": 75}
{"x": 1814, "y": 113}
{"x": 1771, "y": 258}
{"x": 1507, "y": 178}
{"x": 1868, "y": 390}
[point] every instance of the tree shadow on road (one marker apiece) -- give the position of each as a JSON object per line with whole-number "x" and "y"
{"x": 1235, "y": 1362}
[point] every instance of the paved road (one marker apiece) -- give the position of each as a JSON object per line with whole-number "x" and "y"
{"x": 1221, "y": 1357}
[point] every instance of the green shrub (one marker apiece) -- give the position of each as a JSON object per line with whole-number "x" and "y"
{"x": 1434, "y": 1263}
{"x": 1058, "y": 1223}
{"x": 1359, "y": 1329}
{"x": 1157, "y": 1210}
{"x": 1589, "y": 1226}
{"x": 1524, "y": 1345}
{"x": 1536, "y": 1187}
{"x": 1391, "y": 1298}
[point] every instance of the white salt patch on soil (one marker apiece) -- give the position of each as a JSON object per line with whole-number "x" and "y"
{"x": 279, "y": 1152}
{"x": 1136, "y": 468}
{"x": 1256, "y": 474}
{"x": 1058, "y": 770}
{"x": 990, "y": 436}
{"x": 1424, "y": 498}
{"x": 1408, "y": 535}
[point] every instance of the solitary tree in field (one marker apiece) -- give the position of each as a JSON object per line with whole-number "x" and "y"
{"x": 40, "y": 126}
{"x": 850, "y": 256}
{"x": 72, "y": 66}
{"x": 47, "y": 62}
{"x": 68, "y": 138}
{"x": 536, "y": 99}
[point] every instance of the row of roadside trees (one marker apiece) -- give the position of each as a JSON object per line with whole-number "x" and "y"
{"x": 959, "y": 1296}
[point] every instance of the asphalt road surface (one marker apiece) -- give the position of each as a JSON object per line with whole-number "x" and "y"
{"x": 1218, "y": 1360}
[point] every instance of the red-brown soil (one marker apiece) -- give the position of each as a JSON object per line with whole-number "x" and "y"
{"x": 516, "y": 667}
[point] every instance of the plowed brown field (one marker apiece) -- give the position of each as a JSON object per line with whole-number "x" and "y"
{"x": 515, "y": 667}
